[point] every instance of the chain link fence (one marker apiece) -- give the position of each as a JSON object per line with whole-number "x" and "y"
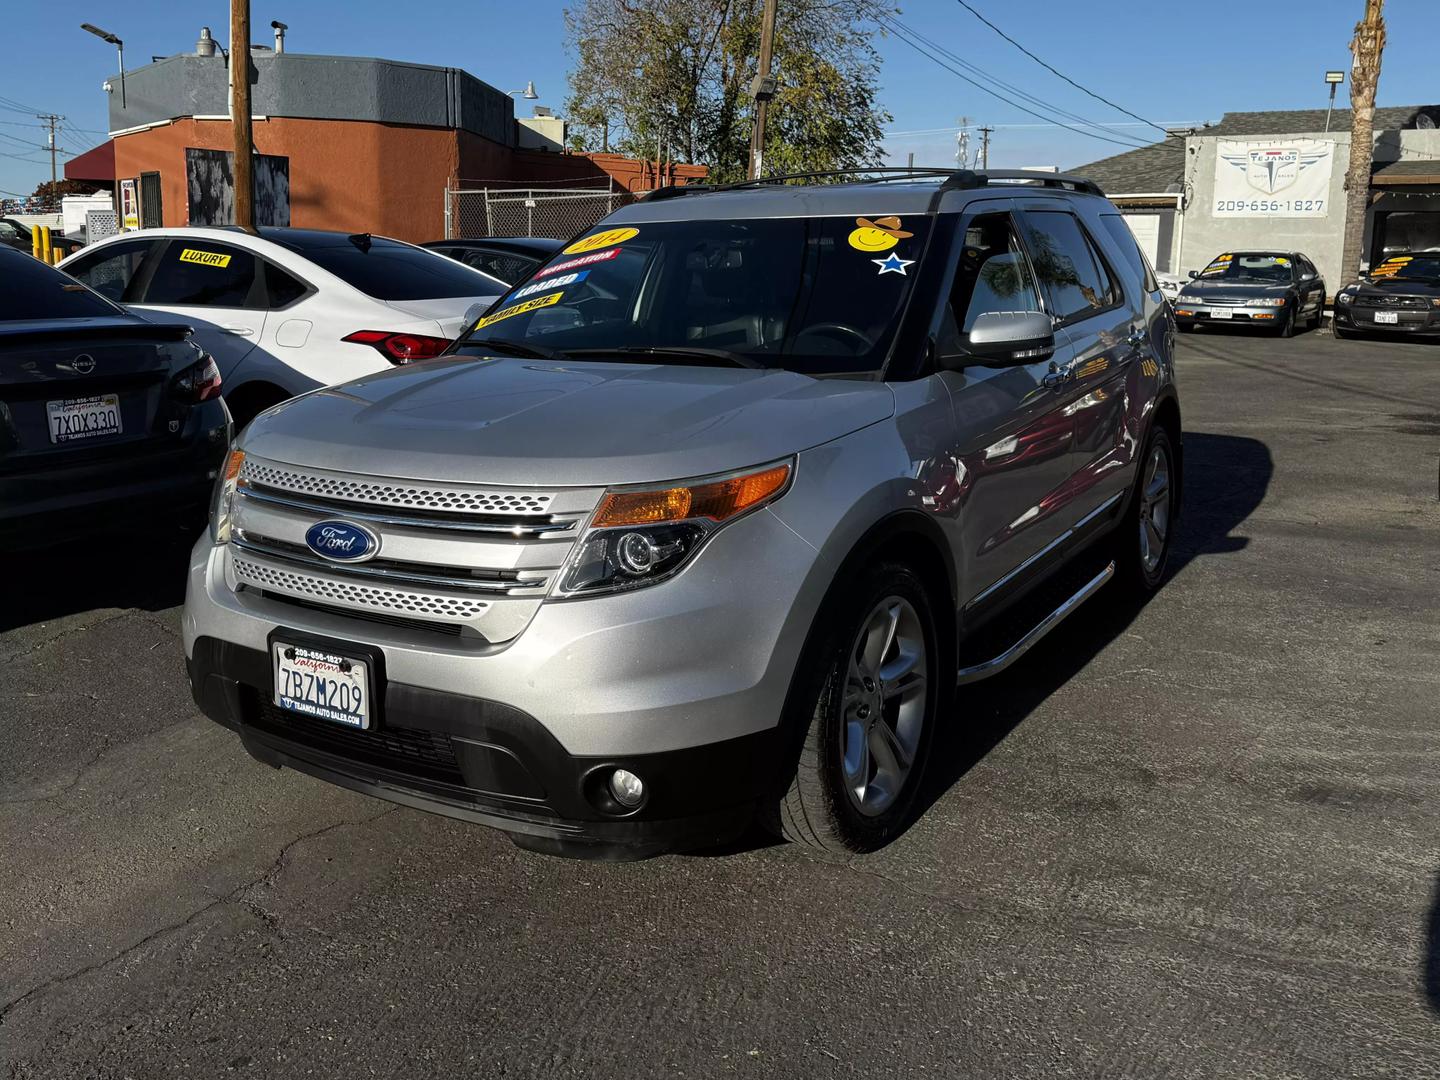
{"x": 557, "y": 212}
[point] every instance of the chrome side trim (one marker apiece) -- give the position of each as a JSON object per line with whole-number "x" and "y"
{"x": 539, "y": 529}
{"x": 997, "y": 664}
{"x": 394, "y": 577}
{"x": 1031, "y": 561}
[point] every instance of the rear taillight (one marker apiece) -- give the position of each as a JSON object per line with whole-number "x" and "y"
{"x": 400, "y": 348}
{"x": 199, "y": 382}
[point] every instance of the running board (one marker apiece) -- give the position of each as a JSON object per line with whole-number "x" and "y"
{"x": 997, "y": 664}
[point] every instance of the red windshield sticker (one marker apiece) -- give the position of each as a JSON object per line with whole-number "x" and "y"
{"x": 571, "y": 264}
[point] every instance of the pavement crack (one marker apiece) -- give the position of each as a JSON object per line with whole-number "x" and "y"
{"x": 237, "y": 895}
{"x": 69, "y": 631}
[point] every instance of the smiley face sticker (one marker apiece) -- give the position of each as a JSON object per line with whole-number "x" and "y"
{"x": 882, "y": 234}
{"x": 608, "y": 238}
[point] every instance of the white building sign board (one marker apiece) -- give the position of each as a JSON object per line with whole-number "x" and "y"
{"x": 1288, "y": 178}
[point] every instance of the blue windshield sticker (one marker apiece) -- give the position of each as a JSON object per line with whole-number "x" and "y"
{"x": 550, "y": 283}
{"x": 893, "y": 264}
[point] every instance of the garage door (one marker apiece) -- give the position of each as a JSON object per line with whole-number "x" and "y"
{"x": 1146, "y": 228}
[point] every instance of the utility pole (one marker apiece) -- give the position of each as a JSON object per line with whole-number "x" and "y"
{"x": 763, "y": 89}
{"x": 51, "y": 120}
{"x": 244, "y": 164}
{"x": 985, "y": 147}
{"x": 1366, "y": 47}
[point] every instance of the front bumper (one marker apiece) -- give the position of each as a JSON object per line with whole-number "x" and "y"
{"x": 1350, "y": 317}
{"x": 1195, "y": 314}
{"x": 682, "y": 683}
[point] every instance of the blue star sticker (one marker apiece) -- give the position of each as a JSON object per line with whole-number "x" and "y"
{"x": 893, "y": 264}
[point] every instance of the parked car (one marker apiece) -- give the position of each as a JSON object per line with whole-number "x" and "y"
{"x": 1278, "y": 290}
{"x": 1401, "y": 295}
{"x": 17, "y": 234}
{"x": 510, "y": 259}
{"x": 105, "y": 418}
{"x": 284, "y": 311}
{"x": 706, "y": 520}
{"x": 1170, "y": 284}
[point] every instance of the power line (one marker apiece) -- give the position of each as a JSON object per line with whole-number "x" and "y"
{"x": 1053, "y": 71}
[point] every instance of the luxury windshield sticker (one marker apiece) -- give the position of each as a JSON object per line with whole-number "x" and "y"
{"x": 204, "y": 258}
{"x": 882, "y": 234}
{"x": 519, "y": 309}
{"x": 551, "y": 283}
{"x": 571, "y": 264}
{"x": 607, "y": 238}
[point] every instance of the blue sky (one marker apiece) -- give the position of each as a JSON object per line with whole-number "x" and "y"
{"x": 1171, "y": 63}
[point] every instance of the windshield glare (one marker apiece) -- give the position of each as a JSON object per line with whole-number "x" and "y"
{"x": 1275, "y": 269}
{"x": 1423, "y": 268}
{"x": 814, "y": 295}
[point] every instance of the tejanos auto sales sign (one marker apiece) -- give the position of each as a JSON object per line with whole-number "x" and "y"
{"x": 1281, "y": 179}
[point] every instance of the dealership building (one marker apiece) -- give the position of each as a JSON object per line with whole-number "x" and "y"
{"x": 1276, "y": 180}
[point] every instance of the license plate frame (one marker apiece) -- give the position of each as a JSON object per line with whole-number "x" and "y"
{"x": 67, "y": 413}
{"x": 1221, "y": 313}
{"x": 1387, "y": 318}
{"x": 371, "y": 678}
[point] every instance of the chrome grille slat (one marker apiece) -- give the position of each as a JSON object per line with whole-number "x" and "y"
{"x": 454, "y": 498}
{"x": 256, "y": 546}
{"x": 539, "y": 529}
{"x": 358, "y": 595}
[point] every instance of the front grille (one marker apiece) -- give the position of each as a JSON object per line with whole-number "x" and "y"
{"x": 453, "y": 498}
{"x": 1219, "y": 301}
{"x": 448, "y": 629}
{"x": 1394, "y": 303}
{"x": 411, "y": 751}
{"x": 414, "y": 603}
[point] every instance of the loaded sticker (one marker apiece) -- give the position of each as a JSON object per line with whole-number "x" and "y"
{"x": 549, "y": 284}
{"x": 893, "y": 264}
{"x": 571, "y": 264}
{"x": 519, "y": 309}
{"x": 204, "y": 258}
{"x": 882, "y": 234}
{"x": 601, "y": 239}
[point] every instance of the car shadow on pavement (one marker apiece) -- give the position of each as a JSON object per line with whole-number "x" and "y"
{"x": 143, "y": 568}
{"x": 1432, "y": 951}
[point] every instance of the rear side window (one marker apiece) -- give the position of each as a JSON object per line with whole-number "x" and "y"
{"x": 501, "y": 265}
{"x": 199, "y": 273}
{"x": 36, "y": 291}
{"x": 390, "y": 270}
{"x": 1068, "y": 266}
{"x": 282, "y": 289}
{"x": 1134, "y": 257}
{"x": 110, "y": 269}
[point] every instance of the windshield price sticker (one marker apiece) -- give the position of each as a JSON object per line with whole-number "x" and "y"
{"x": 204, "y": 258}
{"x": 571, "y": 264}
{"x": 608, "y": 238}
{"x": 519, "y": 309}
{"x": 555, "y": 283}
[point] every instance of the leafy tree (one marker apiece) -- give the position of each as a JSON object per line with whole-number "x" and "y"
{"x": 678, "y": 73}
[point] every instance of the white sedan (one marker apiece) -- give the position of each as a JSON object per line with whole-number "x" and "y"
{"x": 284, "y": 311}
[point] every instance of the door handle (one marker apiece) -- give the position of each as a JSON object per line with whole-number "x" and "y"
{"x": 1055, "y": 377}
{"x": 232, "y": 328}
{"x": 1137, "y": 338}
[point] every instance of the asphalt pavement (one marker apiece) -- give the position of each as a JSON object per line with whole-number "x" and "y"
{"x": 1197, "y": 839}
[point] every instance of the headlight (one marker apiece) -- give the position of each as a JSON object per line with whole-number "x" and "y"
{"x": 224, "y": 496}
{"x": 1266, "y": 301}
{"x": 1344, "y": 296}
{"x": 638, "y": 536}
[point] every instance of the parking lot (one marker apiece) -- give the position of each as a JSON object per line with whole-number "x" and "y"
{"x": 1197, "y": 839}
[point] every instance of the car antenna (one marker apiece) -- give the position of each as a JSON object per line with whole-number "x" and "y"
{"x": 361, "y": 240}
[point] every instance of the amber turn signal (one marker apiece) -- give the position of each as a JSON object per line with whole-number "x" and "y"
{"x": 716, "y": 500}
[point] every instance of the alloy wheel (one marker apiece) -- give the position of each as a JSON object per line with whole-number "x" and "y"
{"x": 1155, "y": 509}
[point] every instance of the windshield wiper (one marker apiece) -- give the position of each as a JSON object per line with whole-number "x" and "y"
{"x": 722, "y": 356}
{"x": 515, "y": 348}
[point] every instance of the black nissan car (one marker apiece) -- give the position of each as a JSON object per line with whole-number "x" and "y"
{"x": 1401, "y": 295}
{"x": 105, "y": 418}
{"x": 1277, "y": 290}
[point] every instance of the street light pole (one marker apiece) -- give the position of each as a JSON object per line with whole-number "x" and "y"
{"x": 105, "y": 35}
{"x": 763, "y": 89}
{"x": 244, "y": 164}
{"x": 1334, "y": 78}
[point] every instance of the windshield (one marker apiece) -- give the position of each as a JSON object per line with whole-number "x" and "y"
{"x": 1251, "y": 268}
{"x": 814, "y": 295}
{"x": 1420, "y": 268}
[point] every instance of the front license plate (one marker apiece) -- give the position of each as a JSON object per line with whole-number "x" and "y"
{"x": 83, "y": 418}
{"x": 1391, "y": 318}
{"x": 322, "y": 684}
{"x": 1221, "y": 313}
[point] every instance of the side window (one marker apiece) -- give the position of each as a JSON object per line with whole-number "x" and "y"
{"x": 8, "y": 232}
{"x": 281, "y": 289}
{"x": 1135, "y": 258}
{"x": 1068, "y": 266}
{"x": 993, "y": 275}
{"x": 109, "y": 270}
{"x": 200, "y": 273}
{"x": 503, "y": 265}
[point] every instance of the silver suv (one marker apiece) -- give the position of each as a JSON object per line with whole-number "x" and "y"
{"x": 707, "y": 519}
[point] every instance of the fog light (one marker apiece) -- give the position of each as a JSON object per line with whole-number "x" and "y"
{"x": 628, "y": 789}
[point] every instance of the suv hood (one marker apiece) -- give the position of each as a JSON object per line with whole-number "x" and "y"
{"x": 536, "y": 422}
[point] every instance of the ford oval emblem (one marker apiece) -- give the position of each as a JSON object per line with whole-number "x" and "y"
{"x": 342, "y": 541}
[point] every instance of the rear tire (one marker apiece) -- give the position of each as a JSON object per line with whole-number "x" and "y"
{"x": 867, "y": 696}
{"x": 1147, "y": 532}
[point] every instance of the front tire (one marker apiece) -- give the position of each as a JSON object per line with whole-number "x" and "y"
{"x": 868, "y": 696}
{"x": 1147, "y": 533}
{"x": 1287, "y": 324}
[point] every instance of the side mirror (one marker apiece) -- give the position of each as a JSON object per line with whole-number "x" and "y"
{"x": 1307, "y": 277}
{"x": 1194, "y": 274}
{"x": 1006, "y": 338}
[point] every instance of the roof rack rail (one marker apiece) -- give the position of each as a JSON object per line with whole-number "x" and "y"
{"x": 961, "y": 179}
